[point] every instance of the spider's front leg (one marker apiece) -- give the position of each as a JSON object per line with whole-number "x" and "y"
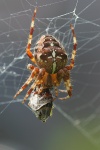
{"x": 68, "y": 85}
{"x": 28, "y": 48}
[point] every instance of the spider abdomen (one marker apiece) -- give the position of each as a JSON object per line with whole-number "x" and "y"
{"x": 50, "y": 54}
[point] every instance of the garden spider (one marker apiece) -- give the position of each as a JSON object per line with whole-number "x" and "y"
{"x": 50, "y": 58}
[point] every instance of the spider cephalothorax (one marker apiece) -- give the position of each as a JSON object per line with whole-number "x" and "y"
{"x": 50, "y": 58}
{"x": 50, "y": 54}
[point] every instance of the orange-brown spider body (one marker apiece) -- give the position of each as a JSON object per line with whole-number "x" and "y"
{"x": 50, "y": 58}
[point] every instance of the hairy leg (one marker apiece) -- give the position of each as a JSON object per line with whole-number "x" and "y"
{"x": 28, "y": 48}
{"x": 68, "y": 85}
{"x": 69, "y": 67}
{"x": 37, "y": 82}
{"x": 34, "y": 73}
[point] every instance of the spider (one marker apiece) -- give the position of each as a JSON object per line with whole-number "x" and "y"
{"x": 50, "y": 58}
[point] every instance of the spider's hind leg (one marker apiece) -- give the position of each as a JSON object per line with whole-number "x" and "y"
{"x": 37, "y": 82}
{"x": 30, "y": 67}
{"x": 34, "y": 72}
{"x": 69, "y": 90}
{"x": 68, "y": 86}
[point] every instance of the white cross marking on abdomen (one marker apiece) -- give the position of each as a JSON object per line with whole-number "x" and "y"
{"x": 54, "y": 63}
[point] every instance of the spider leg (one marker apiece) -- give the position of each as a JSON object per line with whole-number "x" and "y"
{"x": 34, "y": 72}
{"x": 56, "y": 91}
{"x": 68, "y": 85}
{"x": 69, "y": 90}
{"x": 30, "y": 67}
{"x": 28, "y": 48}
{"x": 28, "y": 93}
{"x": 69, "y": 67}
{"x": 37, "y": 81}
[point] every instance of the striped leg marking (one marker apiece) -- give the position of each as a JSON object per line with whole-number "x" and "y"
{"x": 69, "y": 67}
{"x": 28, "y": 49}
{"x": 30, "y": 67}
{"x": 37, "y": 81}
{"x": 34, "y": 72}
{"x": 68, "y": 88}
